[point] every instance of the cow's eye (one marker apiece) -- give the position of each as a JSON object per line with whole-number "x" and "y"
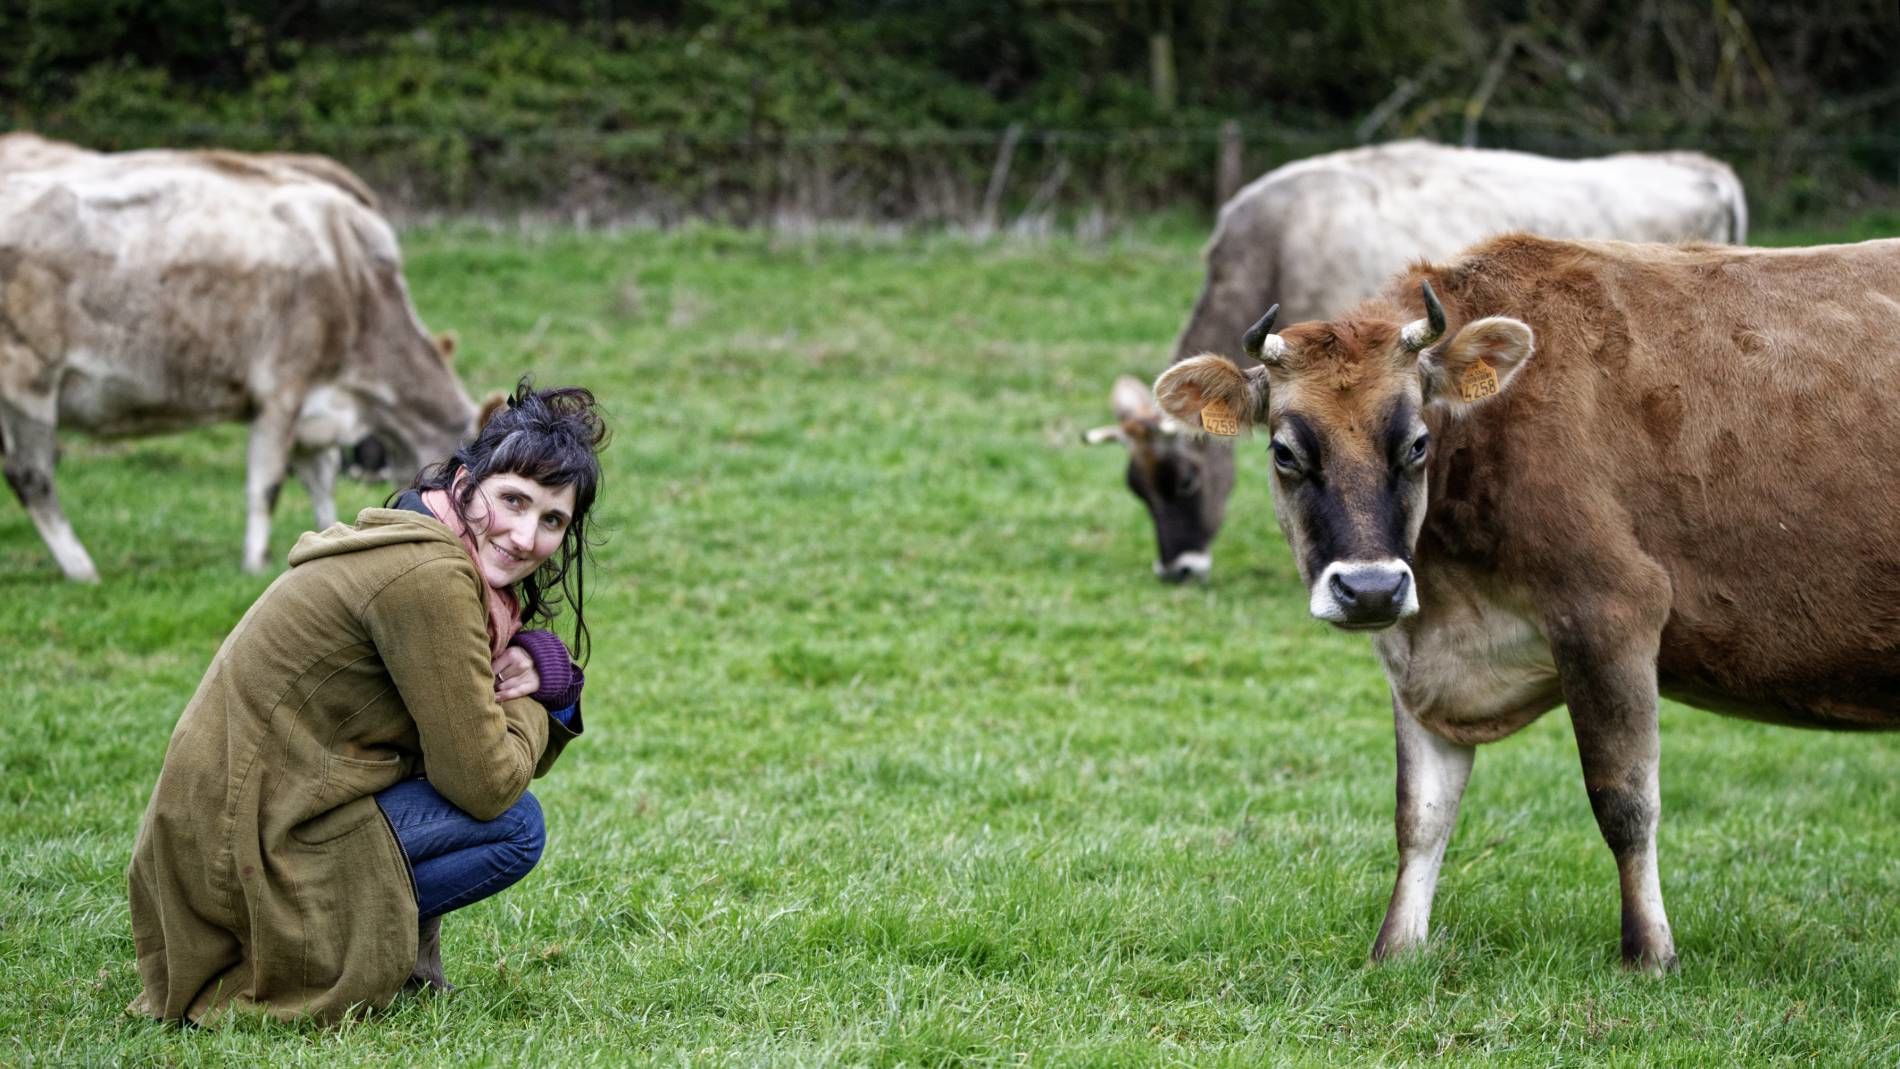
{"x": 1285, "y": 459}
{"x": 1187, "y": 481}
{"x": 1417, "y": 452}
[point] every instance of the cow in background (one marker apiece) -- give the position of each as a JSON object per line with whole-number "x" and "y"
{"x": 319, "y": 451}
{"x": 146, "y": 292}
{"x": 1321, "y": 234}
{"x": 1585, "y": 473}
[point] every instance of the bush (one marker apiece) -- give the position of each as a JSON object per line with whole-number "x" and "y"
{"x": 890, "y": 109}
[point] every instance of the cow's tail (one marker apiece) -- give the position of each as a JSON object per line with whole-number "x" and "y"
{"x": 1737, "y": 212}
{"x": 366, "y": 249}
{"x": 325, "y": 169}
{"x": 1729, "y": 187}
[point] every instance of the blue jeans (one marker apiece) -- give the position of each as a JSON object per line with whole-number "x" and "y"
{"x": 454, "y": 858}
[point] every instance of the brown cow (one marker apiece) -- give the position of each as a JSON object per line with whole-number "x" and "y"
{"x": 1616, "y": 515}
{"x": 144, "y": 292}
{"x": 1321, "y": 234}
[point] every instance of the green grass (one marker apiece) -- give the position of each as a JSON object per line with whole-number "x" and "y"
{"x": 1878, "y": 224}
{"x": 898, "y": 756}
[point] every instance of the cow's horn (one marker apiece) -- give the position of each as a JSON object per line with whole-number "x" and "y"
{"x": 1422, "y": 332}
{"x": 1260, "y": 343}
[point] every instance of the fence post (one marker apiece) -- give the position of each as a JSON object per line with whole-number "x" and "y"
{"x": 999, "y": 176}
{"x": 1229, "y": 174}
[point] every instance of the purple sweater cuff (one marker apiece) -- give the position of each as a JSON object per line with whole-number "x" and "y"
{"x": 561, "y": 678}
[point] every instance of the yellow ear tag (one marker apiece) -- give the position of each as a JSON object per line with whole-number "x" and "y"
{"x": 1217, "y": 418}
{"x": 1480, "y": 381}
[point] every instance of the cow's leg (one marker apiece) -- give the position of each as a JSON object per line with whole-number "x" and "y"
{"x": 269, "y": 456}
{"x": 1432, "y": 775}
{"x": 31, "y": 449}
{"x": 316, "y": 469}
{"x": 1613, "y": 706}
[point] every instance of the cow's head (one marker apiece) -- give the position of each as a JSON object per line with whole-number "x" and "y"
{"x": 411, "y": 400}
{"x": 366, "y": 456}
{"x": 1170, "y": 469}
{"x": 1344, "y": 404}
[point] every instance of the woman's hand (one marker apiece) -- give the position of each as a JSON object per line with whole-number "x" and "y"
{"x": 515, "y": 676}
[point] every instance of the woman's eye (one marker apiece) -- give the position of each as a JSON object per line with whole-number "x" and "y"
{"x": 1418, "y": 449}
{"x": 1284, "y": 459}
{"x": 552, "y": 523}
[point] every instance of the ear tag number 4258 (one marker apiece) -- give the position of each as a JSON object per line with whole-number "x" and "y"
{"x": 1480, "y": 381}
{"x": 1217, "y": 418}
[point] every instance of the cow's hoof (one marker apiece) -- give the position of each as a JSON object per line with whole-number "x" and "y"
{"x": 1652, "y": 963}
{"x": 1386, "y": 950}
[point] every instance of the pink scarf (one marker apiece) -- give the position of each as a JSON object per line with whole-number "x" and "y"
{"x": 504, "y": 611}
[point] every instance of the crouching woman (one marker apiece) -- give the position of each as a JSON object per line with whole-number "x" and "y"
{"x": 355, "y": 762}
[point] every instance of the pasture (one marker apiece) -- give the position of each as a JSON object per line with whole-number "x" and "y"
{"x": 897, "y": 755}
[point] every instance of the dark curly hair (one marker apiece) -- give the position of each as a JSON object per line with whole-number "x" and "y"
{"x": 554, "y": 437}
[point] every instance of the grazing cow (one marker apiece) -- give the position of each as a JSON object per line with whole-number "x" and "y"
{"x": 1324, "y": 233}
{"x": 315, "y": 453}
{"x": 1595, "y": 472}
{"x": 146, "y": 292}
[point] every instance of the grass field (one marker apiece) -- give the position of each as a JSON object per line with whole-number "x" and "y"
{"x": 898, "y": 756}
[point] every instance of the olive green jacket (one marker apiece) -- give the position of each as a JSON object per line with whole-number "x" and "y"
{"x": 264, "y": 872}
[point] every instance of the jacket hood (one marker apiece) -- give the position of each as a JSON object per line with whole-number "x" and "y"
{"x": 373, "y": 529}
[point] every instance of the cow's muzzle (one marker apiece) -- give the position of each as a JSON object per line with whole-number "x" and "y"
{"x": 367, "y": 460}
{"x": 1364, "y": 595}
{"x": 1184, "y": 566}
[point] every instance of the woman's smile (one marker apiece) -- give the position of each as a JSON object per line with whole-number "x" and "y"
{"x": 521, "y": 522}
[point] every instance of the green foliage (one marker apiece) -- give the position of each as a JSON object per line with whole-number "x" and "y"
{"x": 890, "y": 109}
{"x": 896, "y": 754}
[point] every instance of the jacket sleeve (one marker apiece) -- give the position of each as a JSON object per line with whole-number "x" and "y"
{"x": 430, "y": 631}
{"x": 561, "y": 678}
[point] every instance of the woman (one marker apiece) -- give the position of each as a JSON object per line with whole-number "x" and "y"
{"x": 355, "y": 762}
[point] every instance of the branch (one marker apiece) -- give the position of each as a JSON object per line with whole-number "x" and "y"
{"x": 1563, "y": 66}
{"x": 1400, "y": 96}
{"x": 1474, "y": 108}
{"x": 1046, "y": 192}
{"x": 1763, "y": 73}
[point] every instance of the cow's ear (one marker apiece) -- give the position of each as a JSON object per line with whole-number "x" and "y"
{"x": 1208, "y": 393}
{"x": 445, "y": 344}
{"x": 1132, "y": 402}
{"x": 1478, "y": 362}
{"x": 490, "y": 405}
{"x": 1136, "y": 417}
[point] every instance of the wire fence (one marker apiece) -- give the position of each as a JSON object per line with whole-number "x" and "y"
{"x": 985, "y": 179}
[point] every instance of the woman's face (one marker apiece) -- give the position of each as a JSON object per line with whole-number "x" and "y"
{"x": 521, "y": 522}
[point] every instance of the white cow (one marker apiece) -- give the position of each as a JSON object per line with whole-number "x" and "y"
{"x": 153, "y": 291}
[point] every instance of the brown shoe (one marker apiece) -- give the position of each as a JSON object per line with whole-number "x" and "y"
{"x": 428, "y": 975}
